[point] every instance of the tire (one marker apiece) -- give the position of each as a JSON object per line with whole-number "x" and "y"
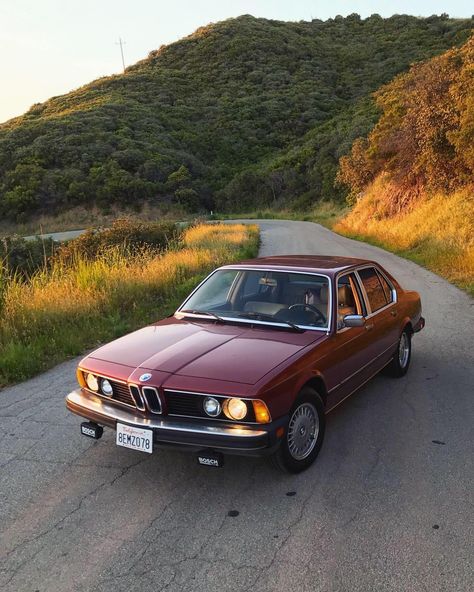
{"x": 400, "y": 363}
{"x": 307, "y": 414}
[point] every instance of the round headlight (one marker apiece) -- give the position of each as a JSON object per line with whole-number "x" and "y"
{"x": 235, "y": 409}
{"x": 212, "y": 406}
{"x": 106, "y": 388}
{"x": 92, "y": 382}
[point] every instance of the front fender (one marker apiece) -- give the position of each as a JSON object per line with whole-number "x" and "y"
{"x": 281, "y": 397}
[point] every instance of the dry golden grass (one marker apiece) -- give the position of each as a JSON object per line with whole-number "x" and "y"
{"x": 438, "y": 231}
{"x": 215, "y": 235}
{"x": 61, "y": 311}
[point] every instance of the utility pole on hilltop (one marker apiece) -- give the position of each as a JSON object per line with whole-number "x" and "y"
{"x": 121, "y": 43}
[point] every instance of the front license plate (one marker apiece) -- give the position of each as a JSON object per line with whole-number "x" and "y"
{"x": 134, "y": 438}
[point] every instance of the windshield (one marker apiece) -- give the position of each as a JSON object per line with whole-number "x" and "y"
{"x": 294, "y": 299}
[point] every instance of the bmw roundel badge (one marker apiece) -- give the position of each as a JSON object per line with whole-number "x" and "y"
{"x": 145, "y": 377}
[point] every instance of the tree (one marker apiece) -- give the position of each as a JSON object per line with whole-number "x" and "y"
{"x": 179, "y": 178}
{"x": 425, "y": 135}
{"x": 188, "y": 198}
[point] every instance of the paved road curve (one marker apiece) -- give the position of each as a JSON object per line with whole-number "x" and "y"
{"x": 388, "y": 506}
{"x": 57, "y": 236}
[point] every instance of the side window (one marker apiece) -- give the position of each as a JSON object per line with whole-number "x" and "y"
{"x": 373, "y": 286}
{"x": 386, "y": 288}
{"x": 348, "y": 298}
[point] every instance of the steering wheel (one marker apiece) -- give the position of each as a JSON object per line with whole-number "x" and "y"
{"x": 310, "y": 307}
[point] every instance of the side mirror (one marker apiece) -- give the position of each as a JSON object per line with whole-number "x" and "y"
{"x": 353, "y": 320}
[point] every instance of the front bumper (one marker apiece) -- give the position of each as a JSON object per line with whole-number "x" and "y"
{"x": 247, "y": 440}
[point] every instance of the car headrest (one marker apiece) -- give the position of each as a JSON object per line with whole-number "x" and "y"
{"x": 323, "y": 295}
{"x": 344, "y": 295}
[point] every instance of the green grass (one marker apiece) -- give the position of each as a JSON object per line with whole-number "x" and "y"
{"x": 61, "y": 312}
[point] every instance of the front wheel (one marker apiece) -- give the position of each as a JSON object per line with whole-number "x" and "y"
{"x": 400, "y": 363}
{"x": 304, "y": 433}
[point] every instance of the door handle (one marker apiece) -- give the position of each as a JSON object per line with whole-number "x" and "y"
{"x": 369, "y": 326}
{"x": 393, "y": 313}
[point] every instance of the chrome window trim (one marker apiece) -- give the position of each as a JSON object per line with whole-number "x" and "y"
{"x": 390, "y": 285}
{"x": 326, "y": 329}
{"x": 366, "y": 298}
{"x": 251, "y": 322}
{"x": 355, "y": 271}
{"x": 362, "y": 294}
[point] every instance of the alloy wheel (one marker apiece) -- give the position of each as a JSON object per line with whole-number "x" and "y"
{"x": 404, "y": 350}
{"x": 303, "y": 431}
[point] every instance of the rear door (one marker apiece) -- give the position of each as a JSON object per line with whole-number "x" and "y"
{"x": 381, "y": 320}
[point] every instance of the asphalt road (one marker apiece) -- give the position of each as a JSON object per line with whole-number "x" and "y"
{"x": 388, "y": 506}
{"x": 57, "y": 236}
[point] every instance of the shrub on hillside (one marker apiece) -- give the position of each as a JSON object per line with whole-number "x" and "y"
{"x": 129, "y": 235}
{"x": 21, "y": 256}
{"x": 423, "y": 139}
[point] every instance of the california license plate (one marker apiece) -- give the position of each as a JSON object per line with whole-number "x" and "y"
{"x": 134, "y": 438}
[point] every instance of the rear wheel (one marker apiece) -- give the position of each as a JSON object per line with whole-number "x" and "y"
{"x": 400, "y": 363}
{"x": 304, "y": 433}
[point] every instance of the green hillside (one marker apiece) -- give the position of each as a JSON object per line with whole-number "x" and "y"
{"x": 244, "y": 112}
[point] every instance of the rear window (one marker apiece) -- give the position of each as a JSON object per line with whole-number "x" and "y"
{"x": 374, "y": 288}
{"x": 386, "y": 288}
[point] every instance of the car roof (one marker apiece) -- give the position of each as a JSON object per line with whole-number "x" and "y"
{"x": 327, "y": 264}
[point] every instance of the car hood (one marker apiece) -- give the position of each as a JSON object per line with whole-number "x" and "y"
{"x": 231, "y": 353}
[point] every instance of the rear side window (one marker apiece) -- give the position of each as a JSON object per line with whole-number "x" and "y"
{"x": 374, "y": 288}
{"x": 386, "y": 288}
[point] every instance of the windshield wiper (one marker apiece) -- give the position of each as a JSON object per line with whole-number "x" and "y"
{"x": 259, "y": 316}
{"x": 206, "y": 313}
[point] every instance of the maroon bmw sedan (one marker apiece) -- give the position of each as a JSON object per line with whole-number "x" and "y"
{"x": 252, "y": 360}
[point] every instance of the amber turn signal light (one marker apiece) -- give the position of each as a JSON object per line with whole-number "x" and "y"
{"x": 80, "y": 378}
{"x": 262, "y": 415}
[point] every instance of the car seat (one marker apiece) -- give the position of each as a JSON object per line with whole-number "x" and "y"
{"x": 345, "y": 302}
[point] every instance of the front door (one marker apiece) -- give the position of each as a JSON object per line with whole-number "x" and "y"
{"x": 351, "y": 348}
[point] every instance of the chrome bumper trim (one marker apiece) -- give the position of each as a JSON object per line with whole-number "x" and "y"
{"x": 99, "y": 407}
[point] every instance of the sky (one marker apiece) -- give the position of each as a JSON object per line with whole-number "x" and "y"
{"x": 49, "y": 47}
